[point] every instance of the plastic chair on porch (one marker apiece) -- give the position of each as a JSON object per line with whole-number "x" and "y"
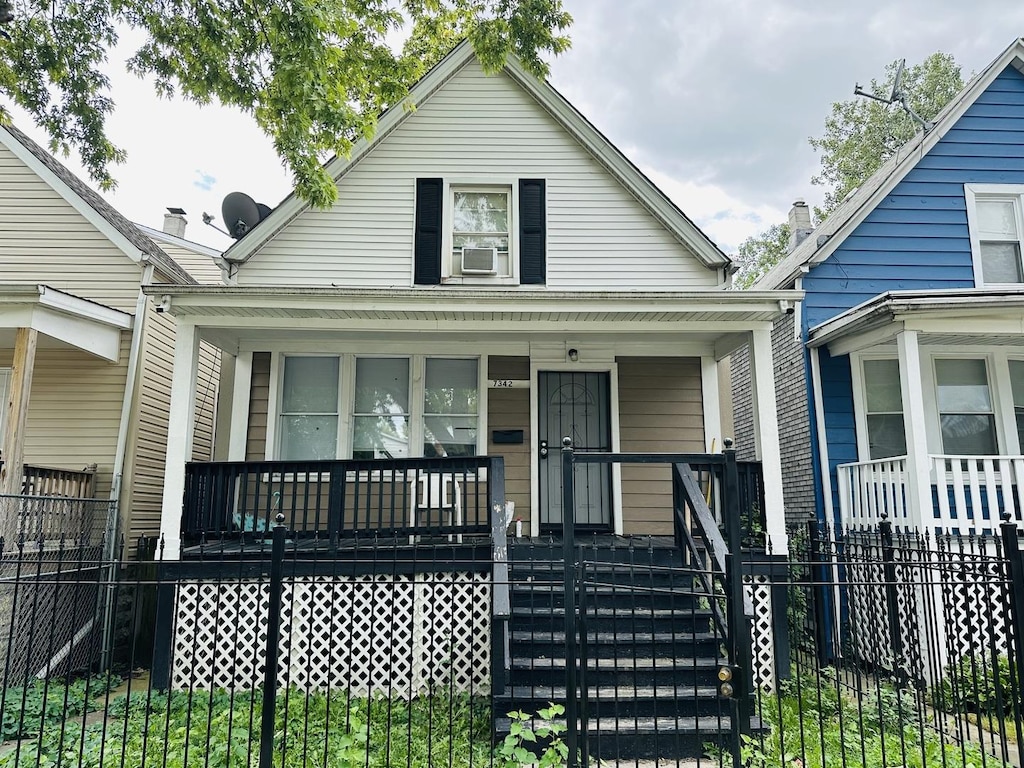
{"x": 437, "y": 497}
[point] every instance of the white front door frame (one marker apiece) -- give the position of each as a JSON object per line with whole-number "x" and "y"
{"x": 536, "y": 366}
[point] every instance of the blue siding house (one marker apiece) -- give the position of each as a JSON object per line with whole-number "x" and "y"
{"x": 911, "y": 333}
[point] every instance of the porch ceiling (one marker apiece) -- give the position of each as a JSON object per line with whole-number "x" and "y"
{"x": 62, "y": 319}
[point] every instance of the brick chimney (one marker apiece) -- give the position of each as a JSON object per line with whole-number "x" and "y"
{"x": 799, "y": 224}
{"x": 175, "y": 222}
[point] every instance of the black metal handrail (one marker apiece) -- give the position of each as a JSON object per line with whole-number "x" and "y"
{"x": 339, "y": 498}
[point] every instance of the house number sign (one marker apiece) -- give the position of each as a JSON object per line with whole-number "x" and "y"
{"x": 509, "y": 384}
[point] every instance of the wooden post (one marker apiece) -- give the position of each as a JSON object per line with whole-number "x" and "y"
{"x": 17, "y": 410}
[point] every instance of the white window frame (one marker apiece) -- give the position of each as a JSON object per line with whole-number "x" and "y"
{"x": 995, "y": 374}
{"x": 1005, "y": 192}
{"x": 277, "y": 391}
{"x": 479, "y": 184}
{"x": 346, "y": 396}
{"x": 860, "y": 400}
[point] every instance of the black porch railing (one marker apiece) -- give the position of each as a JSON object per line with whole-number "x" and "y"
{"x": 338, "y": 499}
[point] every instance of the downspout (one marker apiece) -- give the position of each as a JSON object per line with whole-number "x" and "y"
{"x": 138, "y": 330}
{"x": 114, "y": 506}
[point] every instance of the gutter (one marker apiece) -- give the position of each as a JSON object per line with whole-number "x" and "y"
{"x": 138, "y": 330}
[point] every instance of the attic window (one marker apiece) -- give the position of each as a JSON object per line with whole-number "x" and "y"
{"x": 996, "y": 221}
{"x": 481, "y": 231}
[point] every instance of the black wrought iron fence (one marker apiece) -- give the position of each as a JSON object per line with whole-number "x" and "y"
{"x": 866, "y": 648}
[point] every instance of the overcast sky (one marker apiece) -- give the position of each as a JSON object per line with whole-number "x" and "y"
{"x": 713, "y": 100}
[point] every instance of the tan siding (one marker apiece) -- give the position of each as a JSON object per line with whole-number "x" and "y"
{"x": 660, "y": 410}
{"x": 510, "y": 409}
{"x": 152, "y": 412}
{"x": 599, "y": 236}
{"x": 199, "y": 265}
{"x": 259, "y": 403}
{"x": 75, "y": 410}
{"x": 47, "y": 241}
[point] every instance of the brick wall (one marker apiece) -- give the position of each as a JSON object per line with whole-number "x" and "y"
{"x": 794, "y": 417}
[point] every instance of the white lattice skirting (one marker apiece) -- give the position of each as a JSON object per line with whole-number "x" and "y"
{"x": 395, "y": 635}
{"x": 758, "y": 590}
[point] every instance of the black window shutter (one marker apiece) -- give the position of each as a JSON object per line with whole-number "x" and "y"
{"x": 427, "y": 250}
{"x": 532, "y": 232}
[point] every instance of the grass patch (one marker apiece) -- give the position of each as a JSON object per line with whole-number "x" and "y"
{"x": 28, "y": 710}
{"x": 218, "y": 728}
{"x": 810, "y": 724}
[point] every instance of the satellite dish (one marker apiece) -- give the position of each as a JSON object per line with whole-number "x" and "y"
{"x": 897, "y": 82}
{"x": 241, "y": 213}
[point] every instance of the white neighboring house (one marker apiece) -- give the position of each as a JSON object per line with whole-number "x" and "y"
{"x": 494, "y": 276}
{"x": 85, "y": 359}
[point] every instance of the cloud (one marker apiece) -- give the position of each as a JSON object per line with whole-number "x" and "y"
{"x": 204, "y": 181}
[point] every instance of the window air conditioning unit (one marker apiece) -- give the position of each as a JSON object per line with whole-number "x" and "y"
{"x": 479, "y": 261}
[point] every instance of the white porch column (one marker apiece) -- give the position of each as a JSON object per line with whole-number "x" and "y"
{"x": 919, "y": 476}
{"x": 762, "y": 371}
{"x": 17, "y": 410}
{"x": 180, "y": 432}
{"x": 239, "y": 419}
{"x": 712, "y": 404}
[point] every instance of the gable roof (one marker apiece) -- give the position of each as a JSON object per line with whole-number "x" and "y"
{"x": 556, "y": 105}
{"x": 851, "y": 213}
{"x": 121, "y": 232}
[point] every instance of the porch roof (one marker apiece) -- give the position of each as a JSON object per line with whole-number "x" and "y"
{"x": 228, "y": 305}
{"x": 231, "y": 317}
{"x": 69, "y": 319}
{"x": 958, "y": 316}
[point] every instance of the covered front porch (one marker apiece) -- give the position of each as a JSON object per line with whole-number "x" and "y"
{"x": 937, "y": 392}
{"x": 412, "y": 416}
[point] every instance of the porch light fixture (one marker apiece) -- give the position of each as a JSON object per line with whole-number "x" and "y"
{"x": 574, "y": 354}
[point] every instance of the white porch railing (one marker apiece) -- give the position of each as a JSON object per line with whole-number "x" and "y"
{"x": 870, "y": 489}
{"x": 971, "y": 493}
{"x": 967, "y": 494}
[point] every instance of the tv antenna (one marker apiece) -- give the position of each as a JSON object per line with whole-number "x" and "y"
{"x": 898, "y": 96}
{"x": 208, "y": 221}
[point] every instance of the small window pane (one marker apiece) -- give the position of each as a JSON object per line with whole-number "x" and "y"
{"x": 968, "y": 434}
{"x": 310, "y": 385}
{"x": 380, "y": 437}
{"x": 309, "y": 438}
{"x": 997, "y": 219}
{"x": 449, "y": 435}
{"x": 382, "y": 385}
{"x": 451, "y": 386}
{"x": 480, "y": 212}
{"x": 886, "y": 435}
{"x": 882, "y": 385}
{"x": 962, "y": 386}
{"x": 1000, "y": 263}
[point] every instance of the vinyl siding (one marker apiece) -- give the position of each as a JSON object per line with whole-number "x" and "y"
{"x": 149, "y": 434}
{"x": 74, "y": 410}
{"x": 478, "y": 128}
{"x": 510, "y": 409}
{"x": 259, "y": 407}
{"x": 660, "y": 410}
{"x": 202, "y": 268}
{"x": 43, "y": 239}
{"x": 917, "y": 237}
